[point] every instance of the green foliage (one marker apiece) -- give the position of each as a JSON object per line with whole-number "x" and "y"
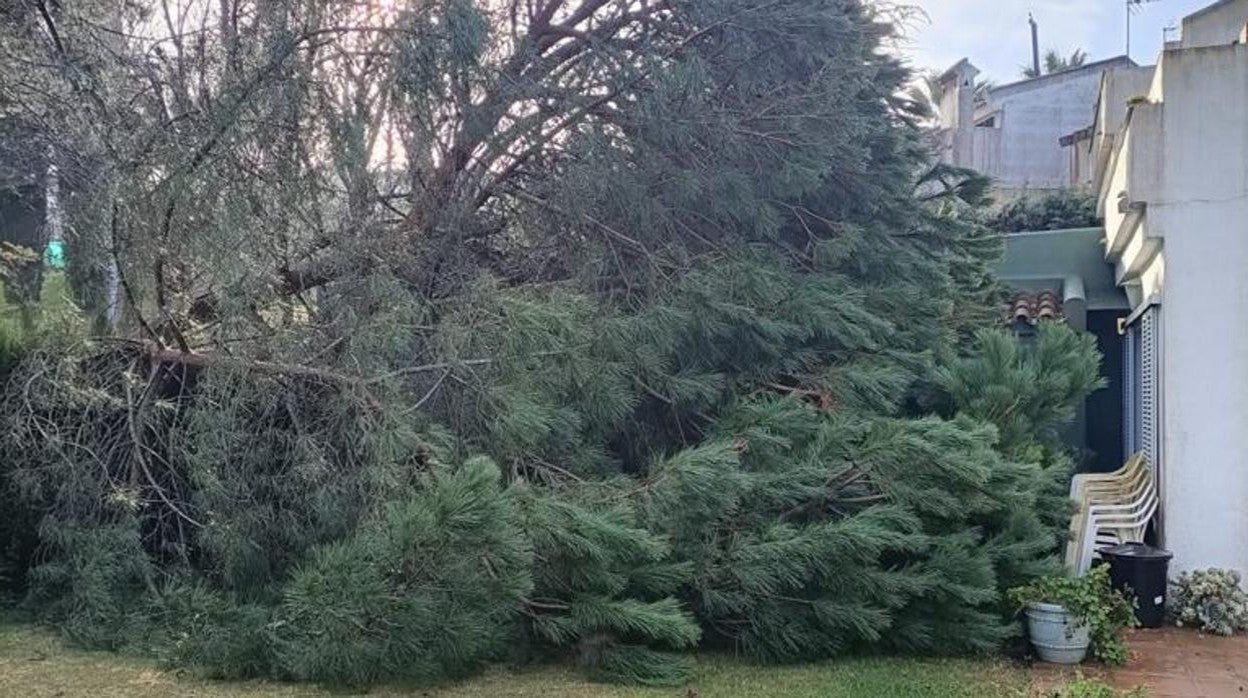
{"x": 427, "y": 589}
{"x": 795, "y": 539}
{"x": 1029, "y": 391}
{"x": 1093, "y": 600}
{"x": 26, "y": 331}
{"x": 283, "y": 469}
{"x": 617, "y": 376}
{"x": 602, "y": 590}
{"x": 1083, "y": 687}
{"x": 775, "y": 588}
{"x": 798, "y": 511}
{"x": 94, "y": 582}
{"x": 53, "y": 322}
{"x": 211, "y": 632}
{"x": 1211, "y": 600}
{"x": 1054, "y": 211}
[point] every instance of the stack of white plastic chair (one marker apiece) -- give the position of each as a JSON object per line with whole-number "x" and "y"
{"x": 1112, "y": 508}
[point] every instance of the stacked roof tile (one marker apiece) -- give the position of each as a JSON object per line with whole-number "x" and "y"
{"x": 1032, "y": 308}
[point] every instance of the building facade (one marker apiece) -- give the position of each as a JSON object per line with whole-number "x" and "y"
{"x": 1170, "y": 166}
{"x": 1012, "y": 133}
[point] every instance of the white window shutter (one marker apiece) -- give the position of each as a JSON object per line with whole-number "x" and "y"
{"x": 1142, "y": 398}
{"x": 1130, "y": 382}
{"x": 1150, "y": 386}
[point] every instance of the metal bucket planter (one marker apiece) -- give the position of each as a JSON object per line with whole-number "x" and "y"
{"x": 1058, "y": 636}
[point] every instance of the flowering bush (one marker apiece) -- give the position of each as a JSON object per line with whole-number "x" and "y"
{"x": 1211, "y": 600}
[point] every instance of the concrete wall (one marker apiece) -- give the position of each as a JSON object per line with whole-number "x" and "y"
{"x": 1022, "y": 148}
{"x": 1202, "y": 215}
{"x": 1217, "y": 25}
{"x": 985, "y": 156}
{"x": 957, "y": 112}
{"x": 1034, "y": 116}
{"x": 1080, "y": 164}
{"x": 1176, "y": 207}
{"x": 1119, "y": 85}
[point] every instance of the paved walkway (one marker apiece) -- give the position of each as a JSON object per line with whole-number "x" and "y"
{"x": 1167, "y": 663}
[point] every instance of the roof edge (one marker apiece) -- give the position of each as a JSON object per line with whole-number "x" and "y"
{"x": 1101, "y": 64}
{"x": 1207, "y": 9}
{"x": 954, "y": 68}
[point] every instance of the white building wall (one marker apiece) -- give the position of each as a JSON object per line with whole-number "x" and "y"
{"x": 1205, "y": 388}
{"x": 1202, "y": 215}
{"x": 1217, "y": 25}
{"x": 1119, "y": 86}
{"x": 1021, "y": 149}
{"x": 1032, "y": 121}
{"x": 1184, "y": 158}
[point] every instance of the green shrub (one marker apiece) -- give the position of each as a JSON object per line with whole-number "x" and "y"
{"x": 603, "y": 586}
{"x": 1094, "y": 688}
{"x": 1029, "y": 391}
{"x": 787, "y": 522}
{"x": 813, "y": 536}
{"x": 1055, "y": 211}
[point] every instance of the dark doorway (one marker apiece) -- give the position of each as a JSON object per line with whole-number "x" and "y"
{"x": 1104, "y": 407}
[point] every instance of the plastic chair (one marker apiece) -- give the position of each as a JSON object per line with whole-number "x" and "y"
{"x": 1116, "y": 523}
{"x": 1106, "y": 498}
{"x": 1084, "y": 482}
{"x": 1116, "y": 492}
{"x": 1126, "y": 530}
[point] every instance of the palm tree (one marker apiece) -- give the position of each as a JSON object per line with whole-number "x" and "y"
{"x": 1054, "y": 62}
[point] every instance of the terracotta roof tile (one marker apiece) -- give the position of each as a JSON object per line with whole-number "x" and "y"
{"x": 1031, "y": 308}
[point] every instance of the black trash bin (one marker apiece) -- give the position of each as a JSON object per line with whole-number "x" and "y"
{"x": 1141, "y": 571}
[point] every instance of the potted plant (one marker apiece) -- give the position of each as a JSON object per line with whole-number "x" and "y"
{"x": 1066, "y": 615}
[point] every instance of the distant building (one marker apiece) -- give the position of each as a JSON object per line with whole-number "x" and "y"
{"x": 1013, "y": 133}
{"x": 1088, "y": 150}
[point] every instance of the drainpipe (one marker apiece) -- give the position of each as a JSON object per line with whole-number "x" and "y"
{"x": 1075, "y": 308}
{"x": 1075, "y": 302}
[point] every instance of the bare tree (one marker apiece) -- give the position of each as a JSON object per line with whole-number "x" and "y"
{"x": 228, "y": 159}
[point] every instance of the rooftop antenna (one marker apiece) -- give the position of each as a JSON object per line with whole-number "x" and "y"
{"x": 1035, "y": 44}
{"x": 1132, "y": 7}
{"x": 1169, "y": 33}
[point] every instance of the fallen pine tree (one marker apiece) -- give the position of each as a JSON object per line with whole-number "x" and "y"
{"x": 671, "y": 340}
{"x": 260, "y": 521}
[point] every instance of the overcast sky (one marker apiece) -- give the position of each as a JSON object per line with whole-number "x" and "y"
{"x": 994, "y": 33}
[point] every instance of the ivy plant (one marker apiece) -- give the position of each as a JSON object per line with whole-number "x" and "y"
{"x": 1093, "y": 600}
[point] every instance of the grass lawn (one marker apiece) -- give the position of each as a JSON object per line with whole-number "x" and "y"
{"x": 35, "y": 664}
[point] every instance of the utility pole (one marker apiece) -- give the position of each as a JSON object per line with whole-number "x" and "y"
{"x": 1035, "y": 44}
